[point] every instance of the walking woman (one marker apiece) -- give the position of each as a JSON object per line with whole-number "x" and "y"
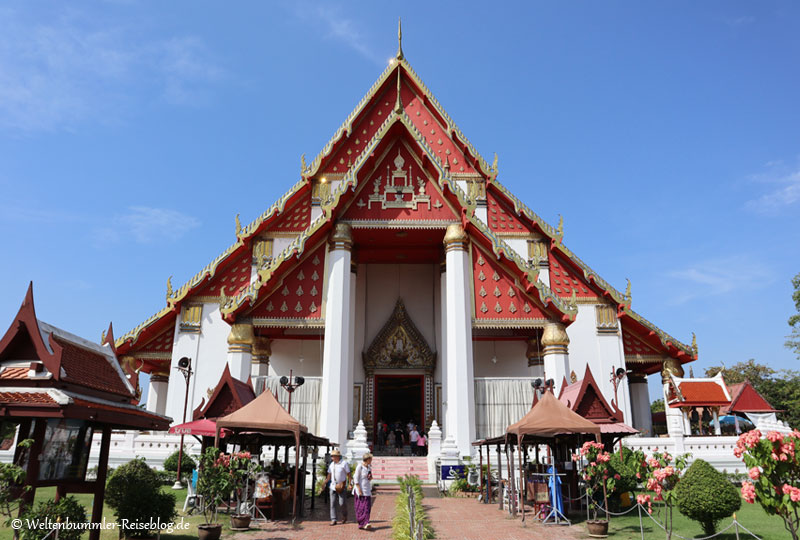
{"x": 362, "y": 489}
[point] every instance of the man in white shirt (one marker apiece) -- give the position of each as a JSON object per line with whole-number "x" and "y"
{"x": 413, "y": 437}
{"x": 339, "y": 478}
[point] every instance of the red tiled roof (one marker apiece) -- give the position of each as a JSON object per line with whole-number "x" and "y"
{"x": 701, "y": 393}
{"x": 90, "y": 369}
{"x": 745, "y": 398}
{"x": 119, "y": 409}
{"x": 23, "y": 398}
{"x": 15, "y": 373}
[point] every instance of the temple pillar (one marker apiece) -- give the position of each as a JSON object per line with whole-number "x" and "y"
{"x": 556, "y": 355}
{"x": 240, "y": 349}
{"x": 351, "y": 360}
{"x": 259, "y": 364}
{"x": 717, "y": 426}
{"x": 443, "y": 351}
{"x": 460, "y": 422}
{"x": 157, "y": 393}
{"x": 640, "y": 403}
{"x": 535, "y": 357}
{"x": 336, "y": 349}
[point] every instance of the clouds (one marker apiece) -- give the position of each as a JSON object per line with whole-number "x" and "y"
{"x": 338, "y": 27}
{"x": 783, "y": 185}
{"x": 61, "y": 68}
{"x": 718, "y": 276}
{"x": 146, "y": 225}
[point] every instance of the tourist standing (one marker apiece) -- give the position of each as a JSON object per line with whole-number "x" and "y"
{"x": 421, "y": 444}
{"x": 413, "y": 437}
{"x": 339, "y": 477}
{"x": 399, "y": 439}
{"x": 362, "y": 489}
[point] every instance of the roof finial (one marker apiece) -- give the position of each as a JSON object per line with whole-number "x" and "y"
{"x": 628, "y": 290}
{"x": 494, "y": 164}
{"x": 169, "y": 287}
{"x": 398, "y": 104}
{"x": 399, "y": 39}
{"x": 303, "y": 166}
{"x": 238, "y": 226}
{"x": 560, "y": 230}
{"x": 694, "y": 343}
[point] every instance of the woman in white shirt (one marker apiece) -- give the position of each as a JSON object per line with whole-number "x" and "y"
{"x": 362, "y": 489}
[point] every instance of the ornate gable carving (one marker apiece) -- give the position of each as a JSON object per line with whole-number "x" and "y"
{"x": 399, "y": 345}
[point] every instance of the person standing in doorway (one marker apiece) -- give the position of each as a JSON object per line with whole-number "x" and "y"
{"x": 362, "y": 489}
{"x": 421, "y": 445}
{"x": 339, "y": 477}
{"x": 413, "y": 438}
{"x": 381, "y": 435}
{"x": 399, "y": 439}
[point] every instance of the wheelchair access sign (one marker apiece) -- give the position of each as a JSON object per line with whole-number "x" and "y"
{"x": 453, "y": 472}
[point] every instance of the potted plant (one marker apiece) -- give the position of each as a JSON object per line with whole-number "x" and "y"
{"x": 214, "y": 485}
{"x": 598, "y": 478}
{"x": 242, "y": 469}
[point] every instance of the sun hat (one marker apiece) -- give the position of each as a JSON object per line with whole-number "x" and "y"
{"x": 336, "y": 452}
{"x": 366, "y": 456}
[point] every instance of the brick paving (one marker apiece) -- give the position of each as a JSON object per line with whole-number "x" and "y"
{"x": 452, "y": 519}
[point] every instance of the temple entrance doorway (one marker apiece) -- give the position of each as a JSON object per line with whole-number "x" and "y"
{"x": 401, "y": 399}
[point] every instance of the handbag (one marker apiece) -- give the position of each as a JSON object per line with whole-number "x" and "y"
{"x": 339, "y": 487}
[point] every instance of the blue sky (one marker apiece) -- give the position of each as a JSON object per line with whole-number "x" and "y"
{"x": 666, "y": 134}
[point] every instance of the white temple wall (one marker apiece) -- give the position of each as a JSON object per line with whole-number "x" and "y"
{"x": 600, "y": 352}
{"x": 360, "y": 336}
{"x": 286, "y": 354}
{"x": 511, "y": 359}
{"x": 414, "y": 283}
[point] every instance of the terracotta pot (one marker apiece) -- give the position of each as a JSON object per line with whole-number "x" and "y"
{"x": 209, "y": 532}
{"x": 597, "y": 529}
{"x": 240, "y": 521}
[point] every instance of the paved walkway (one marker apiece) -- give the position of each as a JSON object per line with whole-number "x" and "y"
{"x": 452, "y": 519}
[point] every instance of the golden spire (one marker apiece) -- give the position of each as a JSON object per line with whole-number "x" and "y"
{"x": 303, "y": 165}
{"x": 169, "y": 287}
{"x": 238, "y": 226}
{"x": 694, "y": 343}
{"x": 399, "y": 55}
{"x": 398, "y": 104}
{"x": 628, "y": 290}
{"x": 103, "y": 337}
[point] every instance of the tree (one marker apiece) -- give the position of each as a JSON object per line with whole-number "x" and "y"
{"x": 706, "y": 496}
{"x": 657, "y": 405}
{"x": 134, "y": 492}
{"x": 780, "y": 388}
{"x": 793, "y": 341}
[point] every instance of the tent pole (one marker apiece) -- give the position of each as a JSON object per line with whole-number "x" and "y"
{"x": 296, "y": 463}
{"x": 488, "y": 475}
{"x": 480, "y": 468}
{"x": 522, "y": 484}
{"x": 500, "y": 478}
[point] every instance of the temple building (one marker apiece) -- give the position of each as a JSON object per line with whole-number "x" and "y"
{"x": 403, "y": 281}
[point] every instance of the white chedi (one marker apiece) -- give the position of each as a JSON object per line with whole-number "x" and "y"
{"x": 357, "y": 446}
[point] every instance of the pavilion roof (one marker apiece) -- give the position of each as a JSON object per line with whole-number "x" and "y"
{"x": 230, "y": 394}
{"x": 745, "y": 398}
{"x": 706, "y": 392}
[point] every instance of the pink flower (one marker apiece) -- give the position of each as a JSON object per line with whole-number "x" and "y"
{"x": 748, "y": 492}
{"x": 792, "y": 491}
{"x": 575, "y": 457}
{"x": 603, "y": 457}
{"x": 774, "y": 436}
{"x": 754, "y": 473}
{"x": 738, "y": 451}
{"x": 653, "y": 462}
{"x": 617, "y": 477}
{"x": 593, "y": 464}
{"x": 639, "y": 476}
{"x": 642, "y": 499}
{"x": 787, "y": 448}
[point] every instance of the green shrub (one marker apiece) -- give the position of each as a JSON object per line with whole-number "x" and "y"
{"x": 68, "y": 509}
{"x": 706, "y": 496}
{"x": 401, "y": 522}
{"x": 188, "y": 463}
{"x": 626, "y": 467}
{"x": 134, "y": 492}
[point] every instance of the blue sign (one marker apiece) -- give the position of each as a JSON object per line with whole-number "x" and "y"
{"x": 453, "y": 472}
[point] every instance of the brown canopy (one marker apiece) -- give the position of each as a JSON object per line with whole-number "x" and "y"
{"x": 548, "y": 418}
{"x": 264, "y": 415}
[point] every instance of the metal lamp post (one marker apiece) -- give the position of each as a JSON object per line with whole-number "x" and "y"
{"x": 290, "y": 384}
{"x": 185, "y": 367}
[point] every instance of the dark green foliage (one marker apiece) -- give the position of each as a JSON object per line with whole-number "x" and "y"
{"x": 626, "y": 467}
{"x": 188, "y": 463}
{"x": 657, "y": 405}
{"x": 134, "y": 492}
{"x": 68, "y": 509}
{"x": 706, "y": 496}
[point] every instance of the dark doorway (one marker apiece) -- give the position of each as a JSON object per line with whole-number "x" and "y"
{"x": 399, "y": 397}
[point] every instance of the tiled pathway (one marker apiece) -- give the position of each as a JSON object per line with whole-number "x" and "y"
{"x": 452, "y": 519}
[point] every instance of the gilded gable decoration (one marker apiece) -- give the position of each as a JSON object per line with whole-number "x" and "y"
{"x": 399, "y": 344}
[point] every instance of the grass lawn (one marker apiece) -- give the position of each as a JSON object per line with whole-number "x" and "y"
{"x": 42, "y": 494}
{"x": 751, "y": 516}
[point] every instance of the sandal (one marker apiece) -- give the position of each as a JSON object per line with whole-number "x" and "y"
{"x": 333, "y": 523}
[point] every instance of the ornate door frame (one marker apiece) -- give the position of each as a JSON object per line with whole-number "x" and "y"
{"x": 399, "y": 346}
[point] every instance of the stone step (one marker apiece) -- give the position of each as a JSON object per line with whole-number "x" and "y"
{"x": 388, "y": 468}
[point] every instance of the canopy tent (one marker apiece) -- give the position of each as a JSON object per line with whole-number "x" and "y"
{"x": 199, "y": 428}
{"x": 266, "y": 419}
{"x": 549, "y": 421}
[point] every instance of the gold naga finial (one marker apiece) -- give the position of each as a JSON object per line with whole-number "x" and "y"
{"x": 222, "y": 298}
{"x": 398, "y": 104}
{"x": 694, "y": 343}
{"x": 169, "y": 287}
{"x": 494, "y": 164}
{"x": 399, "y": 55}
{"x": 238, "y": 225}
{"x": 628, "y": 290}
{"x": 303, "y": 166}
{"x": 102, "y": 337}
{"x": 560, "y": 225}
{"x": 574, "y": 300}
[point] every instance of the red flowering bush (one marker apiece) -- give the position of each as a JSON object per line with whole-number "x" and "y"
{"x": 597, "y": 474}
{"x": 774, "y": 471}
{"x": 242, "y": 469}
{"x": 663, "y": 472}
